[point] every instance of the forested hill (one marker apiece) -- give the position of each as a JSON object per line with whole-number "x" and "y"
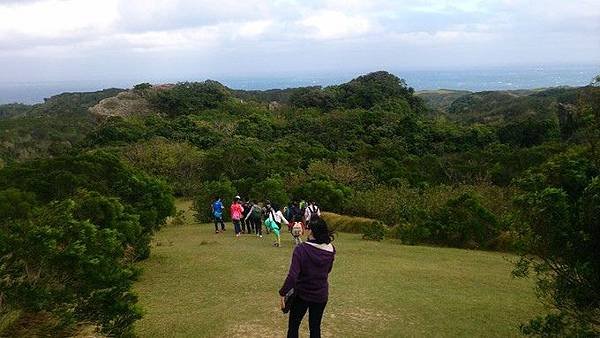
{"x": 87, "y": 178}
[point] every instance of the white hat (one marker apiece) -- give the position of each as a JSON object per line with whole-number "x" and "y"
{"x": 237, "y": 197}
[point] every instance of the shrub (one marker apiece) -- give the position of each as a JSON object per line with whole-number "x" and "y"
{"x": 410, "y": 233}
{"x": 564, "y": 234}
{"x": 463, "y": 222}
{"x": 73, "y": 269}
{"x": 341, "y": 223}
{"x": 374, "y": 231}
{"x": 209, "y": 191}
{"x": 189, "y": 97}
{"x": 180, "y": 164}
{"x": 64, "y": 177}
{"x": 329, "y": 195}
{"x": 272, "y": 189}
{"x": 178, "y": 219}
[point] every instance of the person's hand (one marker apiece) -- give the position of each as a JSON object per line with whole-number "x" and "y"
{"x": 282, "y": 303}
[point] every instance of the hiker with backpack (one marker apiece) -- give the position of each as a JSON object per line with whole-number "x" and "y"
{"x": 217, "y": 213}
{"x": 274, "y": 220}
{"x": 272, "y": 226}
{"x": 306, "y": 287}
{"x": 311, "y": 210}
{"x": 253, "y": 217}
{"x": 296, "y": 226}
{"x": 236, "y": 210}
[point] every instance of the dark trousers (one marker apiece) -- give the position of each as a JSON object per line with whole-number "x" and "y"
{"x": 256, "y": 225}
{"x": 297, "y": 312}
{"x": 217, "y": 221}
{"x": 249, "y": 225}
{"x": 237, "y": 226}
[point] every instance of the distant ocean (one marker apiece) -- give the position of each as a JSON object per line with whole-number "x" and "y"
{"x": 499, "y": 78}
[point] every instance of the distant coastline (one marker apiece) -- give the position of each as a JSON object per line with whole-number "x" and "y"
{"x": 497, "y": 78}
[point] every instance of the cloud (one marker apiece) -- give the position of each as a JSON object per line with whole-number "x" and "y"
{"x": 263, "y": 35}
{"x": 57, "y": 19}
{"x": 335, "y": 25}
{"x": 253, "y": 29}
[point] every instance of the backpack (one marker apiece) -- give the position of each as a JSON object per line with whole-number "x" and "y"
{"x": 314, "y": 211}
{"x": 256, "y": 211}
{"x": 297, "y": 229}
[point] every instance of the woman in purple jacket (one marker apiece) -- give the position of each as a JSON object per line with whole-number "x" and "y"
{"x": 311, "y": 263}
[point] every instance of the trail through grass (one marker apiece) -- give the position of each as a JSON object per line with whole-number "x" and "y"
{"x": 200, "y": 284}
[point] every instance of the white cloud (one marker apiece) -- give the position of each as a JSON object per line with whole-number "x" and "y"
{"x": 278, "y": 33}
{"x": 335, "y": 25}
{"x": 189, "y": 38}
{"x": 56, "y": 19}
{"x": 254, "y": 29}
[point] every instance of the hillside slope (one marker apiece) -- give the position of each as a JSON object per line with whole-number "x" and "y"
{"x": 198, "y": 284}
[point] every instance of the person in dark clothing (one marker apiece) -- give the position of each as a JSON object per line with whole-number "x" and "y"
{"x": 247, "y": 224}
{"x": 311, "y": 264}
{"x": 253, "y": 217}
{"x": 295, "y": 213}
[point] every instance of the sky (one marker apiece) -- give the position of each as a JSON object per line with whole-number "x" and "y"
{"x": 69, "y": 40}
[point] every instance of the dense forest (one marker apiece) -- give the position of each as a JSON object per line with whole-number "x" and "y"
{"x": 87, "y": 178}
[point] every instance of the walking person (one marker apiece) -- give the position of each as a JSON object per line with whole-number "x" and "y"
{"x": 296, "y": 226}
{"x": 271, "y": 226}
{"x": 253, "y": 217}
{"x": 265, "y": 214}
{"x": 312, "y": 209}
{"x": 274, "y": 220}
{"x": 236, "y": 215}
{"x": 245, "y": 222}
{"x": 217, "y": 212}
{"x": 311, "y": 264}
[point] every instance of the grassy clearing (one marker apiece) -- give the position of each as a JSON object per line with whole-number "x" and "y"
{"x": 198, "y": 284}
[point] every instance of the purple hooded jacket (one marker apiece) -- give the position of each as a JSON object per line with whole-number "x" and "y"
{"x": 310, "y": 267}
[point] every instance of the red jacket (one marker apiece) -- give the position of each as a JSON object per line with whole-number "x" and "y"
{"x": 236, "y": 211}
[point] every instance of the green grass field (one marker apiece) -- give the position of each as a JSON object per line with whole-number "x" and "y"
{"x": 199, "y": 284}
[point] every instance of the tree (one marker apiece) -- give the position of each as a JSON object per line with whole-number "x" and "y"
{"x": 210, "y": 190}
{"x": 559, "y": 236}
{"x": 65, "y": 177}
{"x": 272, "y": 189}
{"x": 190, "y": 97}
{"x": 329, "y": 195}
{"x": 52, "y": 261}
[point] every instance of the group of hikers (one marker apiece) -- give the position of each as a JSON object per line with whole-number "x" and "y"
{"x": 306, "y": 287}
{"x": 248, "y": 217}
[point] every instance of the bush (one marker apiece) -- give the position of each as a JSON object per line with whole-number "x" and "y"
{"x": 329, "y": 195}
{"x": 190, "y": 97}
{"x": 180, "y": 164}
{"x": 341, "y": 223}
{"x": 463, "y": 222}
{"x": 52, "y": 261}
{"x": 272, "y": 189}
{"x": 564, "y": 234}
{"x": 410, "y": 233}
{"x": 374, "y": 231}
{"x": 70, "y": 229}
{"x": 178, "y": 219}
{"x": 100, "y": 172}
{"x": 209, "y": 191}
